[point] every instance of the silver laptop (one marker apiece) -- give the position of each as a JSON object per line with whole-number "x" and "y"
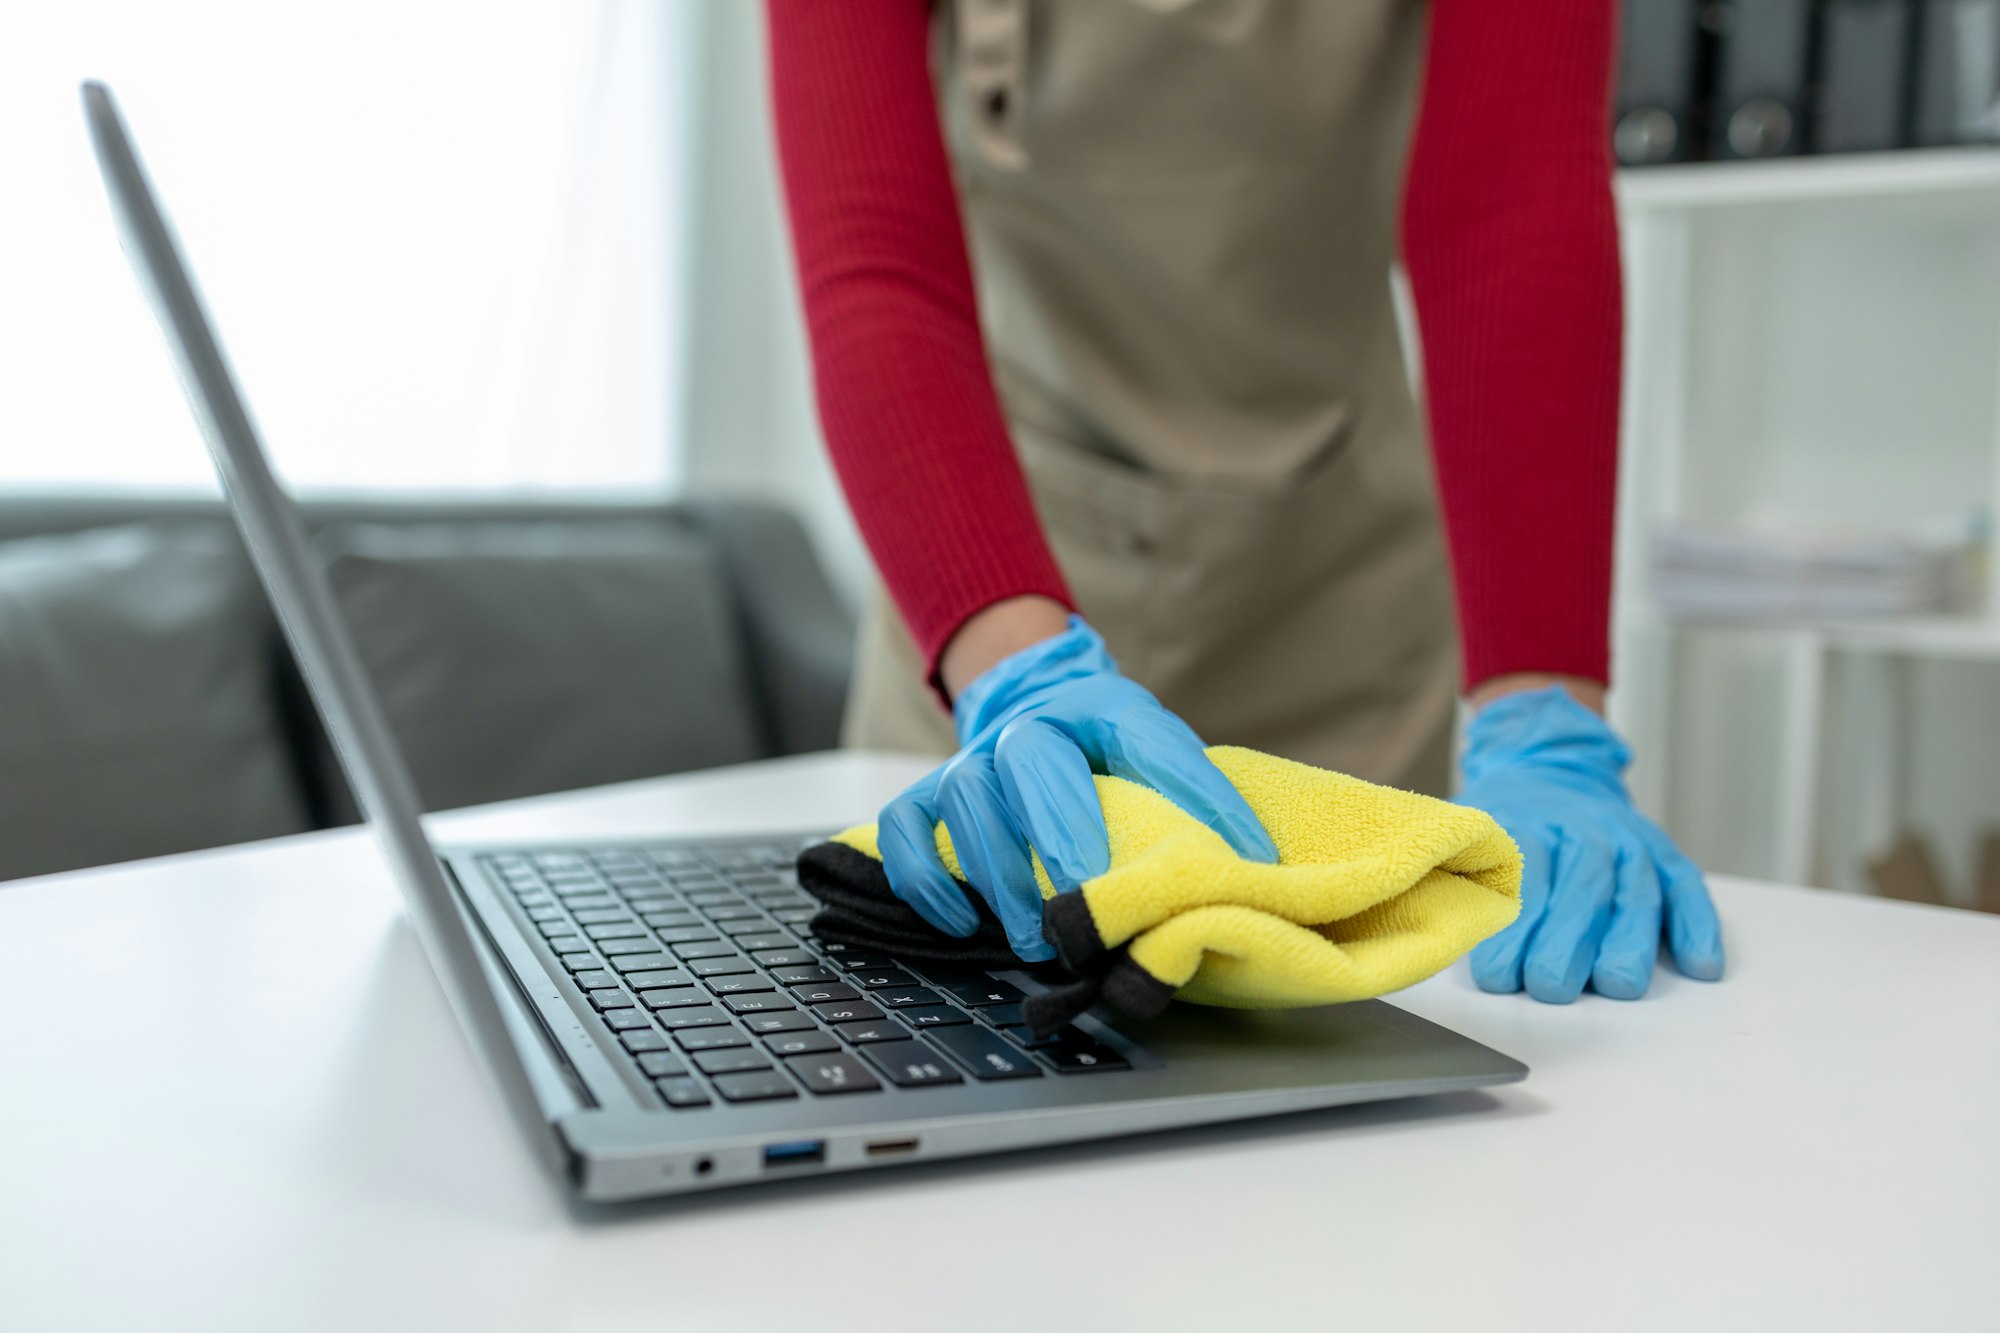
{"x": 658, "y": 1012}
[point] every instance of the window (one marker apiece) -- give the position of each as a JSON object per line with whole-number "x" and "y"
{"x": 440, "y": 240}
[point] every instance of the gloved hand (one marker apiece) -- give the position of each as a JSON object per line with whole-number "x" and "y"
{"x": 1031, "y": 730}
{"x": 1597, "y": 873}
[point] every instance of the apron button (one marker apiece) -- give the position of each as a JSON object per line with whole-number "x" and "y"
{"x": 995, "y": 103}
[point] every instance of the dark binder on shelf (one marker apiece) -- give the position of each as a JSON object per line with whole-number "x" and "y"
{"x": 1761, "y": 64}
{"x": 1957, "y": 96}
{"x": 1654, "y": 119}
{"x": 1861, "y": 90}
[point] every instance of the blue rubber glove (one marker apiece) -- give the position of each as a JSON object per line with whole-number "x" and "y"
{"x": 1597, "y": 875}
{"x": 1032, "y": 729}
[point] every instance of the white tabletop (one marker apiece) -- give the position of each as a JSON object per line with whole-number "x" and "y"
{"x": 234, "y": 1099}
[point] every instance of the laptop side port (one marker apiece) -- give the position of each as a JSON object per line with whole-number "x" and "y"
{"x": 798, "y": 1152}
{"x": 891, "y": 1147}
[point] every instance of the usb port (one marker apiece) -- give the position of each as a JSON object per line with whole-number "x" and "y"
{"x": 891, "y": 1147}
{"x": 799, "y": 1152}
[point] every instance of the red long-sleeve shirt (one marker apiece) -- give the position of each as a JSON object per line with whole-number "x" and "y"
{"x": 1508, "y": 236}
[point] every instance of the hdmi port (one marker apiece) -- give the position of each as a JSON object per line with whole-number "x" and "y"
{"x": 891, "y": 1147}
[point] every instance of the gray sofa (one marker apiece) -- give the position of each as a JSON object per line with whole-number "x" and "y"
{"x": 147, "y": 704}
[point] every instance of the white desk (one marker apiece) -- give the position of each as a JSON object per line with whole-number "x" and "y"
{"x": 234, "y": 1099}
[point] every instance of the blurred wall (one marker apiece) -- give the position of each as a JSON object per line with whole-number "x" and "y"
{"x": 748, "y": 409}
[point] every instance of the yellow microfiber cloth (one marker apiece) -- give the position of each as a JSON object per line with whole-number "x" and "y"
{"x": 1374, "y": 890}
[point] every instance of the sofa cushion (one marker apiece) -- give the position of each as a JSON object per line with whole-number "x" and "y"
{"x": 139, "y": 719}
{"x": 799, "y": 632}
{"x": 521, "y": 658}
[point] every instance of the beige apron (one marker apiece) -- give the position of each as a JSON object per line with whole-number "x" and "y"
{"x": 1182, "y": 217}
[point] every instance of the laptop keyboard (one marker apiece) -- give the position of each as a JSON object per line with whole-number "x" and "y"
{"x": 700, "y": 961}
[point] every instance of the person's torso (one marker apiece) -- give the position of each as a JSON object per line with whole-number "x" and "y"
{"x": 1182, "y": 214}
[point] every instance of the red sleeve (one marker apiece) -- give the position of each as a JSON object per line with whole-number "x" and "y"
{"x": 1511, "y": 243}
{"x": 905, "y": 397}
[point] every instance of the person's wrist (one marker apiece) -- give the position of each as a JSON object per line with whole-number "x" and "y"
{"x": 1543, "y": 726}
{"x": 996, "y": 632}
{"x": 1589, "y": 693}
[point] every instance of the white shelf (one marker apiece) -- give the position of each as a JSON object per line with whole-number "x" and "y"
{"x": 1963, "y": 638}
{"x": 1899, "y": 175}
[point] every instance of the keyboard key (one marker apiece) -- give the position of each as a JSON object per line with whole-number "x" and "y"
{"x": 620, "y": 1020}
{"x": 853, "y": 959}
{"x": 674, "y": 858}
{"x": 782, "y": 1020}
{"x": 846, "y": 1011}
{"x": 831, "y": 1075}
{"x": 881, "y": 978}
{"x": 862, "y": 1034}
{"x": 932, "y": 1016}
{"x": 818, "y": 992}
{"x": 795, "y": 916}
{"x": 731, "y": 1061}
{"x": 734, "y": 912}
{"x": 1003, "y": 1015}
{"x": 905, "y": 997}
{"x": 581, "y": 962}
{"x": 642, "y": 1039}
{"x": 974, "y": 991}
{"x": 596, "y": 978}
{"x": 785, "y": 958}
{"x": 1078, "y": 1054}
{"x": 756, "y": 1004}
{"x": 911, "y": 1064}
{"x": 621, "y": 930}
{"x": 555, "y": 926}
{"x": 686, "y": 935}
{"x": 810, "y": 1041}
{"x": 674, "y": 997}
{"x": 653, "y": 890}
{"x": 711, "y": 949}
{"x": 634, "y": 945}
{"x": 595, "y": 916}
{"x": 670, "y": 920}
{"x": 776, "y": 939}
{"x": 799, "y": 976}
{"x": 662, "y": 1064}
{"x": 716, "y": 897}
{"x": 642, "y": 962}
{"x": 569, "y": 944}
{"x": 710, "y": 1039}
{"x": 759, "y": 1086}
{"x": 681, "y": 1093}
{"x": 986, "y": 1053}
{"x": 609, "y": 998}
{"x": 742, "y": 983}
{"x": 675, "y": 1020}
{"x": 755, "y": 925}
{"x": 720, "y": 966}
{"x": 549, "y": 913}
{"x": 653, "y": 977}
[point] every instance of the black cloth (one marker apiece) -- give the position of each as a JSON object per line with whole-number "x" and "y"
{"x": 858, "y": 909}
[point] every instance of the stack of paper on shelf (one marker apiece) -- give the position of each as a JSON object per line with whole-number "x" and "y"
{"x": 1797, "y": 575}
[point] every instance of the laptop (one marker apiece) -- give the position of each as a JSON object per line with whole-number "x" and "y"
{"x": 657, "y": 1011}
